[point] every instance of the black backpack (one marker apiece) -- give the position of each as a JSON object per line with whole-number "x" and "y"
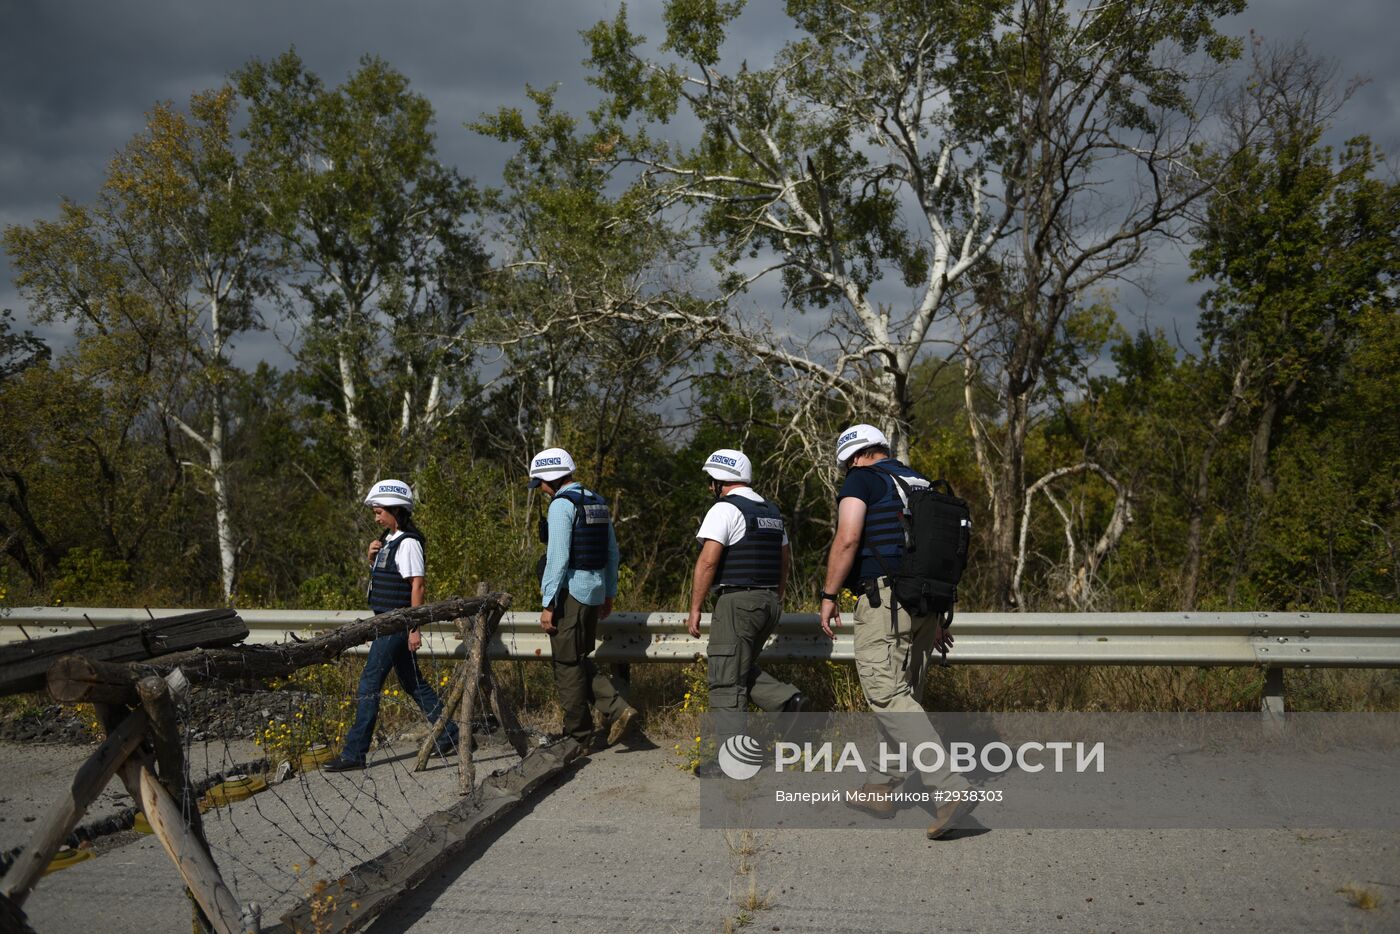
{"x": 937, "y": 529}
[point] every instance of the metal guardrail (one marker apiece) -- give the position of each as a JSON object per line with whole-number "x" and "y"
{"x": 1270, "y": 640}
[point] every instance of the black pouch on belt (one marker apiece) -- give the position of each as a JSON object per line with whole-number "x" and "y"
{"x": 872, "y": 591}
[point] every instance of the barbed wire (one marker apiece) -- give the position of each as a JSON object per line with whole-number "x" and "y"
{"x": 280, "y": 844}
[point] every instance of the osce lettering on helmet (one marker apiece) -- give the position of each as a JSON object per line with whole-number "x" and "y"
{"x": 766, "y": 522}
{"x": 390, "y": 488}
{"x": 848, "y": 436}
{"x": 721, "y": 459}
{"x": 548, "y": 461}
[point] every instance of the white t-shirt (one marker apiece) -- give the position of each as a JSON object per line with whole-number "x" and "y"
{"x": 724, "y": 523}
{"x": 408, "y": 558}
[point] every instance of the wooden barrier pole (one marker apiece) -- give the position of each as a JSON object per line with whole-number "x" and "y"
{"x": 449, "y": 710}
{"x": 75, "y": 680}
{"x": 158, "y": 697}
{"x": 471, "y": 681}
{"x": 64, "y": 814}
{"x": 24, "y": 666}
{"x": 165, "y": 734}
{"x": 185, "y": 849}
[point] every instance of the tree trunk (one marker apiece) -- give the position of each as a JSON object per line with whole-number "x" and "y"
{"x": 549, "y": 391}
{"x": 895, "y": 421}
{"x": 214, "y": 446}
{"x": 18, "y": 501}
{"x": 353, "y": 425}
{"x": 218, "y": 471}
{"x": 1009, "y": 487}
{"x": 1260, "y": 477}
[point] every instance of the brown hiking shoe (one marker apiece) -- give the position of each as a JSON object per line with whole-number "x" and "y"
{"x": 946, "y": 818}
{"x": 874, "y": 800}
{"x": 622, "y": 725}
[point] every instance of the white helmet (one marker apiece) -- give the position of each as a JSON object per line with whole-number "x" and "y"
{"x": 390, "y": 493}
{"x": 550, "y": 464}
{"x": 729, "y": 466}
{"x": 856, "y": 438}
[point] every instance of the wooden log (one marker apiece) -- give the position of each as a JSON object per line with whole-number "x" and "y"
{"x": 74, "y": 679}
{"x": 24, "y": 665}
{"x": 103, "y": 682}
{"x": 471, "y": 685}
{"x": 449, "y": 711}
{"x": 158, "y": 698}
{"x": 352, "y": 901}
{"x": 505, "y": 713}
{"x": 164, "y": 733}
{"x": 92, "y": 776}
{"x": 186, "y": 850}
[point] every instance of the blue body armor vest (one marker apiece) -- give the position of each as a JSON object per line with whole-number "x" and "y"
{"x": 588, "y": 546}
{"x": 756, "y": 559}
{"x": 882, "y": 538}
{"x": 388, "y": 589}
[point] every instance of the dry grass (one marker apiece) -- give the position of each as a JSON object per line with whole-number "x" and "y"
{"x": 659, "y": 690}
{"x": 746, "y": 847}
{"x": 753, "y": 900}
{"x": 1360, "y": 897}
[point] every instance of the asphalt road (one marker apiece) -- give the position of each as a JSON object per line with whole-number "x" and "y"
{"x": 614, "y": 845}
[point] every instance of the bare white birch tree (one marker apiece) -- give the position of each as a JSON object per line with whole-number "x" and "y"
{"x": 851, "y": 172}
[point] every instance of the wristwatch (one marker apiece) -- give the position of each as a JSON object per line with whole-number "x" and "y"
{"x": 829, "y": 596}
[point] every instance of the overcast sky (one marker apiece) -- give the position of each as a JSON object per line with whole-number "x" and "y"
{"x": 78, "y": 77}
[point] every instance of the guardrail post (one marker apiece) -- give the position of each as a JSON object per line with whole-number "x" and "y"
{"x": 1272, "y": 706}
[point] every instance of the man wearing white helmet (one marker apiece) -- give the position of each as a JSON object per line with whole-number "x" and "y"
{"x": 397, "y": 579}
{"x": 892, "y": 647}
{"x": 577, "y": 585}
{"x": 744, "y": 560}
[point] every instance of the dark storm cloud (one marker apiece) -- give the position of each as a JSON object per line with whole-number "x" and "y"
{"x": 78, "y": 77}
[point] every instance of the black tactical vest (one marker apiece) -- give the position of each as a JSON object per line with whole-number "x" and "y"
{"x": 588, "y": 546}
{"x": 756, "y": 559}
{"x": 388, "y": 589}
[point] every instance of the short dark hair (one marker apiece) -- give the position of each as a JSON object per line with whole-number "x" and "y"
{"x": 876, "y": 448}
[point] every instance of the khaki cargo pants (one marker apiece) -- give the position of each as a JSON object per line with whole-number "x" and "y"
{"x": 892, "y": 660}
{"x": 576, "y": 677}
{"x": 740, "y": 625}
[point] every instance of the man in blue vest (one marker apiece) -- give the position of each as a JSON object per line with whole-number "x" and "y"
{"x": 744, "y": 560}
{"x": 577, "y": 587}
{"x": 892, "y": 648}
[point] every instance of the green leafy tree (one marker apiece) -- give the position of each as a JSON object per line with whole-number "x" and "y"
{"x": 189, "y": 210}
{"x": 1102, "y": 106}
{"x": 18, "y": 350}
{"x": 1298, "y": 243}
{"x": 576, "y": 260}
{"x": 373, "y": 224}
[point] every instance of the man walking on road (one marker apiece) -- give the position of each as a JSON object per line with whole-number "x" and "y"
{"x": 744, "y": 559}
{"x": 577, "y": 587}
{"x": 892, "y": 647}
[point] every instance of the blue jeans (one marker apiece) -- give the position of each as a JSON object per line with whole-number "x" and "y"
{"x": 385, "y": 653}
